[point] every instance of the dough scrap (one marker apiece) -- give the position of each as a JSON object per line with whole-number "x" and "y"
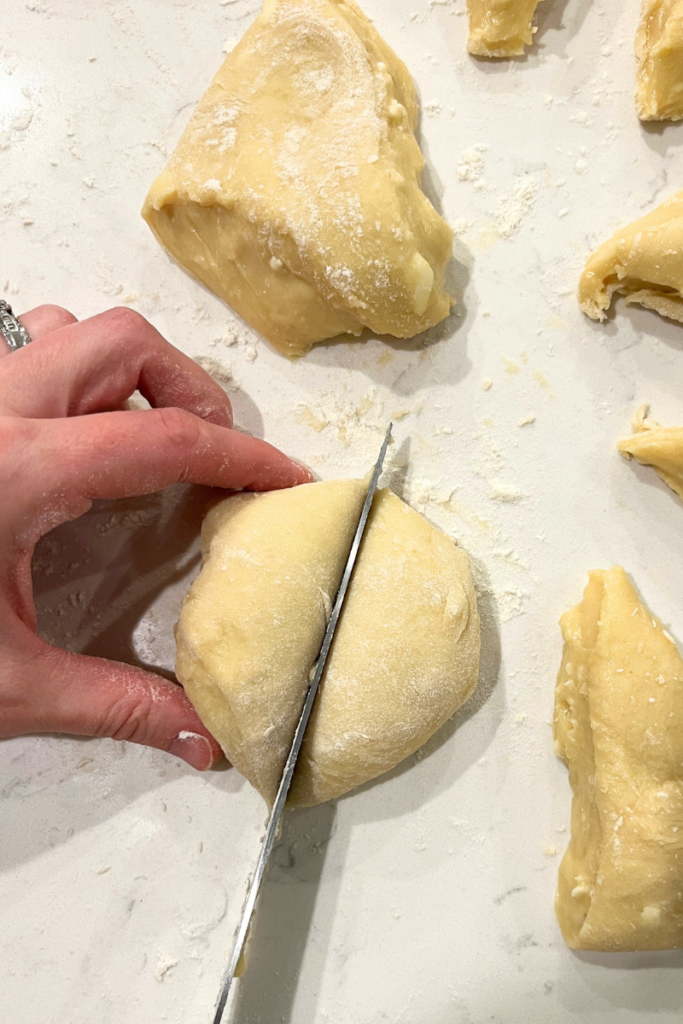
{"x": 659, "y": 53}
{"x": 404, "y": 658}
{"x": 643, "y": 261}
{"x": 654, "y": 445}
{"x": 500, "y": 28}
{"x": 294, "y": 191}
{"x": 619, "y": 729}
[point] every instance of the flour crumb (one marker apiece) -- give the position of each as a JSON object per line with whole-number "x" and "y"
{"x": 470, "y": 167}
{"x": 510, "y": 601}
{"x": 220, "y": 373}
{"x": 506, "y": 493}
{"x": 513, "y": 207}
{"x": 164, "y": 965}
{"x": 359, "y": 426}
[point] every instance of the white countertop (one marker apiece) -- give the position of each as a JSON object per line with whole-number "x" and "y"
{"x": 426, "y": 897}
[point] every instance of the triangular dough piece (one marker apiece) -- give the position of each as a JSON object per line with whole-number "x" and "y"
{"x": 644, "y": 261}
{"x": 659, "y": 52}
{"x": 405, "y": 654}
{"x": 294, "y": 191}
{"x": 500, "y": 28}
{"x": 654, "y": 445}
{"x": 252, "y": 624}
{"x": 619, "y": 728}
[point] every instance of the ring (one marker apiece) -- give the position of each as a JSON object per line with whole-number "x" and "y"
{"x": 14, "y": 333}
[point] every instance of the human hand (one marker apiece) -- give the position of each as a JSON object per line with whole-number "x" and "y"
{"x": 66, "y": 440}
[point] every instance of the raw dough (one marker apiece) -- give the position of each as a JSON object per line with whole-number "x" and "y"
{"x": 659, "y": 52}
{"x": 294, "y": 191}
{"x": 405, "y": 655}
{"x": 654, "y": 445}
{"x": 644, "y": 261}
{"x": 619, "y": 728}
{"x": 500, "y": 28}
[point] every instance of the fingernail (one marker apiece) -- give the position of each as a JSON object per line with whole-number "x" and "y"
{"x": 309, "y": 472}
{"x": 193, "y": 748}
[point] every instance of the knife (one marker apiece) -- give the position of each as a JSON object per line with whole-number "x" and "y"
{"x": 290, "y": 764}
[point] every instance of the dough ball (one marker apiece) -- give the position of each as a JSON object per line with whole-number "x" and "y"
{"x": 619, "y": 729}
{"x": 294, "y": 191}
{"x": 659, "y": 53}
{"x": 654, "y": 445}
{"x": 643, "y": 261}
{"x": 404, "y": 658}
{"x": 500, "y": 28}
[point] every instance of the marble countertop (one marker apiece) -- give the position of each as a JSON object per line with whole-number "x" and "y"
{"x": 427, "y": 895}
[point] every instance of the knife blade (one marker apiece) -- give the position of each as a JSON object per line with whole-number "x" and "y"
{"x": 290, "y": 764}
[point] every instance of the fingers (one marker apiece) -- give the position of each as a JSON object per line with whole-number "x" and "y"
{"x": 40, "y": 321}
{"x": 116, "y": 455}
{"x": 83, "y": 696}
{"x": 95, "y": 365}
{"x": 45, "y": 319}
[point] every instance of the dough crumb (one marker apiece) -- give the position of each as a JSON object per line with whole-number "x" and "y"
{"x": 487, "y": 383}
{"x": 527, "y": 420}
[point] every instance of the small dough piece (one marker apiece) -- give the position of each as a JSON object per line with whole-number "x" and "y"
{"x": 500, "y": 28}
{"x": 619, "y": 729}
{"x": 654, "y": 445}
{"x": 404, "y": 658}
{"x": 643, "y": 261}
{"x": 659, "y": 53}
{"x": 294, "y": 192}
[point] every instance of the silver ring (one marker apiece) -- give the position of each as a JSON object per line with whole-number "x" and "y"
{"x": 12, "y": 330}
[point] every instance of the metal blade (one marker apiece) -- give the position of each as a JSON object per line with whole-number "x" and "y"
{"x": 290, "y": 763}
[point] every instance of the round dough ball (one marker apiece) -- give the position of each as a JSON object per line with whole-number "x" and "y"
{"x": 405, "y": 654}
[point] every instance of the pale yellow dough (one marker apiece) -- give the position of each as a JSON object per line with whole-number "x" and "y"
{"x": 654, "y": 445}
{"x": 659, "y": 53}
{"x": 643, "y": 261}
{"x": 404, "y": 658}
{"x": 619, "y": 728}
{"x": 500, "y": 28}
{"x": 294, "y": 192}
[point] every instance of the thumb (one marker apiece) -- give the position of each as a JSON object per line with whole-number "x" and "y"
{"x": 88, "y": 696}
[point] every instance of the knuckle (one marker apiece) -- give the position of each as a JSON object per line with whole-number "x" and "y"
{"x": 179, "y": 427}
{"x": 57, "y": 312}
{"x": 125, "y": 721}
{"x": 127, "y": 321}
